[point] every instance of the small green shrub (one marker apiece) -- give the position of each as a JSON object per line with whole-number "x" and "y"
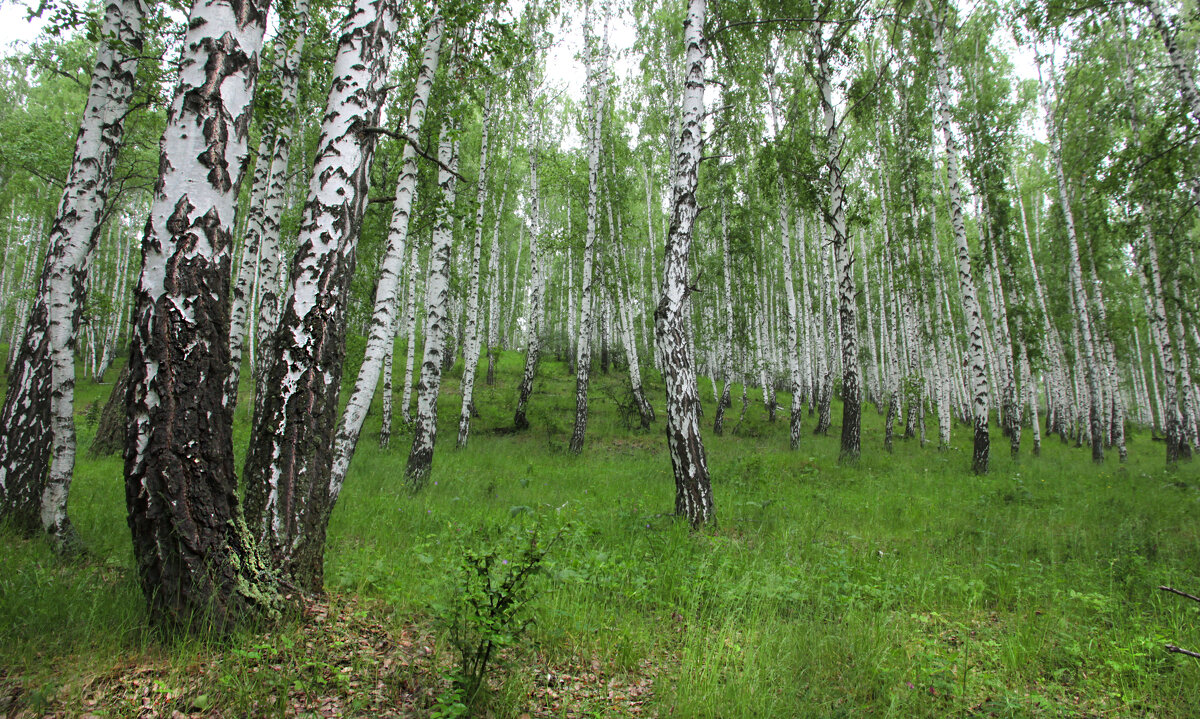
{"x": 488, "y": 605}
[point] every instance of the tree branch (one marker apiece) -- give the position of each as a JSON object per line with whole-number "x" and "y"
{"x": 415, "y": 146}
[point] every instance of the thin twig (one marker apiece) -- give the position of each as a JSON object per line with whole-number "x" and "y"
{"x": 1176, "y": 650}
{"x": 1172, "y": 590}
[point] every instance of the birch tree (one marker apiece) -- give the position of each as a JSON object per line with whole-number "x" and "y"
{"x": 195, "y": 559}
{"x": 693, "y": 491}
{"x": 289, "y": 461}
{"x": 37, "y": 446}
{"x": 966, "y": 282}
{"x": 260, "y": 245}
{"x": 381, "y": 337}
{"x": 420, "y": 457}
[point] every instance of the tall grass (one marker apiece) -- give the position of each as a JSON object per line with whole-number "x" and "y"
{"x": 901, "y": 586}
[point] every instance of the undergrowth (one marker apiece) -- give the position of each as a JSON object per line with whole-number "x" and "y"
{"x": 902, "y": 586}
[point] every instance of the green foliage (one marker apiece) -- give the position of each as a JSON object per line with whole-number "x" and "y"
{"x": 488, "y": 604}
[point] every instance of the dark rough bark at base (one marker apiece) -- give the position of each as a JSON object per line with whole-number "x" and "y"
{"x": 110, "y": 431}
{"x": 645, "y": 411}
{"x": 1096, "y": 435}
{"x": 889, "y": 423}
{"x": 420, "y": 465}
{"x": 491, "y": 370}
{"x": 824, "y": 419}
{"x": 519, "y": 419}
{"x": 851, "y": 419}
{"x": 719, "y": 421}
{"x": 979, "y": 461}
{"x": 25, "y": 419}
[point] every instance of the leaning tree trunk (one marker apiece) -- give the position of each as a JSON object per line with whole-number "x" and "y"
{"x": 693, "y": 491}
{"x": 1178, "y": 443}
{"x": 583, "y": 356}
{"x": 437, "y": 295}
{"x": 471, "y": 349}
{"x": 288, "y": 465}
{"x": 260, "y": 245}
{"x": 623, "y": 304}
{"x": 535, "y": 294}
{"x": 197, "y": 564}
{"x": 37, "y": 446}
{"x": 382, "y": 334}
{"x": 970, "y": 298}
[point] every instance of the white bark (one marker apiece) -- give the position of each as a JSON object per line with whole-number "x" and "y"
{"x": 289, "y": 462}
{"x": 37, "y": 447}
{"x": 970, "y": 299}
{"x": 260, "y": 246}
{"x": 437, "y": 295}
{"x": 471, "y": 349}
{"x": 382, "y": 334}
{"x": 693, "y": 492}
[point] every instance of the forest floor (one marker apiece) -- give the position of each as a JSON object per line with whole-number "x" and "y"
{"x": 901, "y": 586}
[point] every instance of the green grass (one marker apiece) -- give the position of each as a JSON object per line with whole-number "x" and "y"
{"x": 902, "y": 586}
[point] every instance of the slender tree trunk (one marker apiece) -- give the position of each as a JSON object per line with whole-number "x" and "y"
{"x": 1075, "y": 271}
{"x": 437, "y": 295}
{"x": 730, "y": 364}
{"x": 381, "y": 336}
{"x": 414, "y": 268}
{"x": 535, "y": 296}
{"x": 260, "y": 245}
{"x": 793, "y": 359}
{"x": 844, "y": 259}
{"x": 37, "y": 446}
{"x": 970, "y": 299}
{"x": 494, "y": 285}
{"x": 584, "y": 348}
{"x": 289, "y": 497}
{"x": 471, "y": 350}
{"x": 693, "y": 492}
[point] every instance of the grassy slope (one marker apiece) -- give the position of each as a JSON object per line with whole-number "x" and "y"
{"x": 903, "y": 586}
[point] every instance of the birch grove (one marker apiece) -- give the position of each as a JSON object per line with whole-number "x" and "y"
{"x": 872, "y": 215}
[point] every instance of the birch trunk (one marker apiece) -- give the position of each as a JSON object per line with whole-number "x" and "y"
{"x": 197, "y": 564}
{"x": 437, "y": 296}
{"x": 583, "y": 354}
{"x": 727, "y": 336}
{"x": 789, "y": 291}
{"x": 494, "y": 285}
{"x": 37, "y": 447}
{"x": 260, "y": 245}
{"x": 970, "y": 299}
{"x": 410, "y": 349}
{"x": 289, "y": 462}
{"x": 381, "y": 336}
{"x": 693, "y": 492}
{"x": 844, "y": 260}
{"x": 1075, "y": 271}
{"x": 535, "y": 295}
{"x": 471, "y": 349}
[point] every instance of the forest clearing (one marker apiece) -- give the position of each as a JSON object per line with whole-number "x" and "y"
{"x": 903, "y": 586}
{"x": 650, "y": 358}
